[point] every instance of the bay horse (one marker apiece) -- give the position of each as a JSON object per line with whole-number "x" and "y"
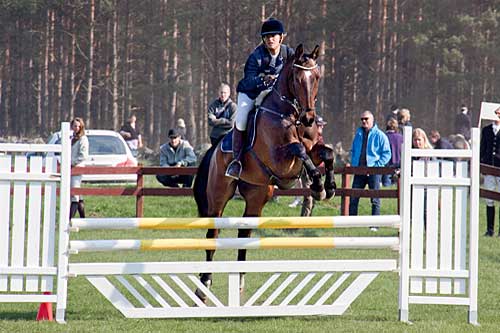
{"x": 286, "y": 140}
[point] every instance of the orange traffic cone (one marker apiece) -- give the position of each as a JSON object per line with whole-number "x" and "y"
{"x": 45, "y": 310}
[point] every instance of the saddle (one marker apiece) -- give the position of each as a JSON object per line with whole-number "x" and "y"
{"x": 227, "y": 140}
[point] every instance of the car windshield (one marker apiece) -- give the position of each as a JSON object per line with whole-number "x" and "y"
{"x": 105, "y": 145}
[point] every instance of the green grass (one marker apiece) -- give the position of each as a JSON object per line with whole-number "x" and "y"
{"x": 375, "y": 310}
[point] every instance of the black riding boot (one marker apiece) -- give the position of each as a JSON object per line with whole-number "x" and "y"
{"x": 81, "y": 209}
{"x": 490, "y": 221}
{"x": 234, "y": 168}
{"x": 498, "y": 222}
{"x": 72, "y": 209}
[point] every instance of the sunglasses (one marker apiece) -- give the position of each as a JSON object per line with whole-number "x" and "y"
{"x": 364, "y": 119}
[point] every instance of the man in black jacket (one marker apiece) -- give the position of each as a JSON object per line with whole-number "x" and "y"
{"x": 490, "y": 154}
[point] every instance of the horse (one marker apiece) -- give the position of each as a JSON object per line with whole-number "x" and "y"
{"x": 286, "y": 140}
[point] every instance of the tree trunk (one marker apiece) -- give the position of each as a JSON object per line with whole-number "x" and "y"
{"x": 90, "y": 65}
{"x": 115, "y": 68}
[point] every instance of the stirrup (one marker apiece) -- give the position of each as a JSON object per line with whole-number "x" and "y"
{"x": 234, "y": 169}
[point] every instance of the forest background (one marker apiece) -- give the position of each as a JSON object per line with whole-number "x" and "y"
{"x": 164, "y": 59}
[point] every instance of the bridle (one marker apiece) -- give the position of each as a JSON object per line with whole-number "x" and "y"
{"x": 295, "y": 103}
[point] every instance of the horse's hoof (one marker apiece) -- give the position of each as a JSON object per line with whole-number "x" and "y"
{"x": 201, "y": 295}
{"x": 330, "y": 193}
{"x": 318, "y": 196}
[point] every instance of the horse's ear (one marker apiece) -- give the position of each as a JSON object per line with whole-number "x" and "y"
{"x": 299, "y": 51}
{"x": 315, "y": 52}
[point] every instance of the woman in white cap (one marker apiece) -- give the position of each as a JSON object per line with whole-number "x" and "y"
{"x": 181, "y": 127}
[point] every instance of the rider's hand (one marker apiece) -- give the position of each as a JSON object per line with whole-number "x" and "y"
{"x": 269, "y": 79}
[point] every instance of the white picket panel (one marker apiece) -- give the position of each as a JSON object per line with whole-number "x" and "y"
{"x": 417, "y": 226}
{"x": 28, "y": 200}
{"x": 49, "y": 224}
{"x": 446, "y": 230}
{"x": 460, "y": 255}
{"x": 5, "y": 166}
{"x": 18, "y": 224}
{"x": 432, "y": 223}
{"x": 34, "y": 209}
{"x": 450, "y": 230}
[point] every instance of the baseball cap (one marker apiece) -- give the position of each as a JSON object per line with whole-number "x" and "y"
{"x": 174, "y": 133}
{"x": 320, "y": 121}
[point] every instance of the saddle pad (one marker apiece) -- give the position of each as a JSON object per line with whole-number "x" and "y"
{"x": 227, "y": 140}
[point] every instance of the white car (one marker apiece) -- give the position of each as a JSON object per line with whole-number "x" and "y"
{"x": 106, "y": 148}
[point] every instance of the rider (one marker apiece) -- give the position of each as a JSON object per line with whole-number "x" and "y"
{"x": 261, "y": 71}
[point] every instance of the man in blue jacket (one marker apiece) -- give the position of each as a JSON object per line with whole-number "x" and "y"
{"x": 370, "y": 148}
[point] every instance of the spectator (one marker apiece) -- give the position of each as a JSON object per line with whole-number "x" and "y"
{"x": 370, "y": 148}
{"x": 459, "y": 142}
{"x": 463, "y": 122}
{"x": 131, "y": 134}
{"x": 396, "y": 142}
{"x": 297, "y": 201}
{"x": 176, "y": 153}
{"x": 438, "y": 142}
{"x": 404, "y": 118}
{"x": 181, "y": 128}
{"x": 490, "y": 155}
{"x": 221, "y": 115}
{"x": 79, "y": 154}
{"x": 393, "y": 114}
{"x": 420, "y": 141}
{"x": 308, "y": 202}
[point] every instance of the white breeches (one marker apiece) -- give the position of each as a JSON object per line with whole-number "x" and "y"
{"x": 491, "y": 183}
{"x": 245, "y": 105}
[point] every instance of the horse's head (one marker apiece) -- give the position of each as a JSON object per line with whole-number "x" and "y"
{"x": 305, "y": 83}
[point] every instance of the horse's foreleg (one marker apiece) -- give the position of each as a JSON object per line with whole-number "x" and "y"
{"x": 327, "y": 157}
{"x": 317, "y": 190}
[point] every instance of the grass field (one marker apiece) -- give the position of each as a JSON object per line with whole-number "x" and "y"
{"x": 376, "y": 310}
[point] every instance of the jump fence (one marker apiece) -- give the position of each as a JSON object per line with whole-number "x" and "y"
{"x": 436, "y": 235}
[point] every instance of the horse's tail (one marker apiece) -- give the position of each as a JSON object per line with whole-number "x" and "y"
{"x": 201, "y": 181}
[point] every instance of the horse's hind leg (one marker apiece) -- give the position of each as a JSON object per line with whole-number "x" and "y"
{"x": 255, "y": 199}
{"x": 324, "y": 153}
{"x": 206, "y": 278}
{"x": 223, "y": 189}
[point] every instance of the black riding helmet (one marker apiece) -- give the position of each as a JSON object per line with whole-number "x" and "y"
{"x": 272, "y": 26}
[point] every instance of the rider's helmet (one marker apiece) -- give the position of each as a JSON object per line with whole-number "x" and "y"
{"x": 272, "y": 26}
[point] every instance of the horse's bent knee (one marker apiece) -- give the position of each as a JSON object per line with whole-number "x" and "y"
{"x": 298, "y": 149}
{"x": 326, "y": 154}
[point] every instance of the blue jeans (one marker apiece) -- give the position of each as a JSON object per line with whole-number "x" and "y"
{"x": 360, "y": 181}
{"x": 387, "y": 179}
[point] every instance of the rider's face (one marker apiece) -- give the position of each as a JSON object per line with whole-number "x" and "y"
{"x": 273, "y": 42}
